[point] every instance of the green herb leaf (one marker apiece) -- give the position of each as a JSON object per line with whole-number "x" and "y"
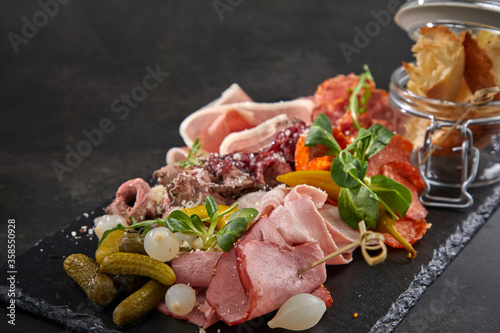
{"x": 321, "y": 133}
{"x": 394, "y": 194}
{"x": 381, "y": 136}
{"x": 178, "y": 221}
{"x": 231, "y": 232}
{"x": 211, "y": 207}
{"x": 346, "y": 171}
{"x": 236, "y": 225}
{"x": 249, "y": 214}
{"x": 356, "y": 204}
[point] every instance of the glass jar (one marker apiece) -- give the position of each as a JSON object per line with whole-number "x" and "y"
{"x": 469, "y": 150}
{"x": 453, "y": 152}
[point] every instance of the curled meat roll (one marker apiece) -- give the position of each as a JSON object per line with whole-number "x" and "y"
{"x": 132, "y": 200}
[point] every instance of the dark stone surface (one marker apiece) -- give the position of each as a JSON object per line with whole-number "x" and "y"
{"x": 66, "y": 77}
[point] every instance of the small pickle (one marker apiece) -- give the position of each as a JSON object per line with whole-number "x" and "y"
{"x": 140, "y": 303}
{"x": 317, "y": 178}
{"x": 109, "y": 245}
{"x": 132, "y": 242}
{"x": 127, "y": 283}
{"x": 84, "y": 270}
{"x": 122, "y": 263}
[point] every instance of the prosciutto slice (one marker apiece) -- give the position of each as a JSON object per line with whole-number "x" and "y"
{"x": 213, "y": 124}
{"x": 255, "y": 138}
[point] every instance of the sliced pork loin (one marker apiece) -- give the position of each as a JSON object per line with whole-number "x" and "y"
{"x": 257, "y": 277}
{"x": 260, "y": 272}
{"x": 195, "y": 268}
{"x": 268, "y": 272}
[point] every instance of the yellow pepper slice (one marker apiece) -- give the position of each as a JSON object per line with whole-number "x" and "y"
{"x": 201, "y": 211}
{"x": 316, "y": 178}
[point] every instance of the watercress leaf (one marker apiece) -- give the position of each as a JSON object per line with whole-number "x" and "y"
{"x": 394, "y": 194}
{"x": 249, "y": 214}
{"x": 321, "y": 133}
{"x": 356, "y": 204}
{"x": 347, "y": 171}
{"x": 379, "y": 139}
{"x": 231, "y": 232}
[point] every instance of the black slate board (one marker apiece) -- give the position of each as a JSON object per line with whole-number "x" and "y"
{"x": 381, "y": 295}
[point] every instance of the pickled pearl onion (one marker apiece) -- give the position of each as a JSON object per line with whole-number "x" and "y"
{"x": 299, "y": 312}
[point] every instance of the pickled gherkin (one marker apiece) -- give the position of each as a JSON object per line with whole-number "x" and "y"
{"x": 109, "y": 245}
{"x": 132, "y": 242}
{"x": 122, "y": 263}
{"x": 139, "y": 303}
{"x": 85, "y": 271}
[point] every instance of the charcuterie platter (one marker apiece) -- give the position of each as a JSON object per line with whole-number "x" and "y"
{"x": 267, "y": 201}
{"x": 364, "y": 297}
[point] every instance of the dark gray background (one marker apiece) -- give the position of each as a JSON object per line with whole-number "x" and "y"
{"x": 64, "y": 79}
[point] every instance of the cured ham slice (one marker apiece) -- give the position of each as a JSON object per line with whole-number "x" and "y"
{"x": 260, "y": 272}
{"x": 272, "y": 199}
{"x": 233, "y": 94}
{"x": 225, "y": 292}
{"x": 195, "y": 268}
{"x": 213, "y": 124}
{"x": 341, "y": 233}
{"x": 268, "y": 273}
{"x": 300, "y": 222}
{"x": 255, "y": 138}
{"x": 245, "y": 287}
{"x": 176, "y": 154}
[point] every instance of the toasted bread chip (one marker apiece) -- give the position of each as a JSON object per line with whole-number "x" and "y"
{"x": 490, "y": 42}
{"x": 478, "y": 72}
{"x": 440, "y": 60}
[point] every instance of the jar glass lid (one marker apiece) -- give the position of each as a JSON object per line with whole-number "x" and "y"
{"x": 457, "y": 15}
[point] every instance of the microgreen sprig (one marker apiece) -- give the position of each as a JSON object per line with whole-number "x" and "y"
{"x": 178, "y": 221}
{"x": 193, "y": 157}
{"x": 360, "y": 96}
